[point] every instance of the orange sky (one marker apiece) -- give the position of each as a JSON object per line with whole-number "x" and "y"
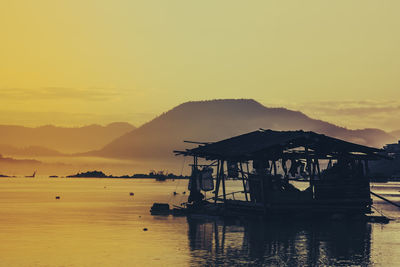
{"x": 81, "y": 62}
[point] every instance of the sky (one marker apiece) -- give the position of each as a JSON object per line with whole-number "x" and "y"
{"x": 75, "y": 62}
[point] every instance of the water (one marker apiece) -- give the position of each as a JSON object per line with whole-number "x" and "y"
{"x": 97, "y": 223}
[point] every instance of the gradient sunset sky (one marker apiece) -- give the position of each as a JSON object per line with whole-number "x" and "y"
{"x": 81, "y": 62}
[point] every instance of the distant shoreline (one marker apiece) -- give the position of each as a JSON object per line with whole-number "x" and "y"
{"x": 152, "y": 175}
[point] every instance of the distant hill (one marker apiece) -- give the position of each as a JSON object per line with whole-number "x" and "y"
{"x": 396, "y": 134}
{"x": 218, "y": 119}
{"x": 47, "y": 140}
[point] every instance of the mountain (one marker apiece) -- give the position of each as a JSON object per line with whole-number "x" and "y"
{"x": 396, "y": 134}
{"x": 50, "y": 139}
{"x": 218, "y": 119}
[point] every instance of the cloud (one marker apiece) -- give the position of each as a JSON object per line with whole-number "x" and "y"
{"x": 353, "y": 108}
{"x": 383, "y": 114}
{"x": 54, "y": 93}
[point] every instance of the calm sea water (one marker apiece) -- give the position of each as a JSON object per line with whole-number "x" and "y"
{"x": 96, "y": 222}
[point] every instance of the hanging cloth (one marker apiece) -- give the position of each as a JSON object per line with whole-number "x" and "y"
{"x": 207, "y": 182}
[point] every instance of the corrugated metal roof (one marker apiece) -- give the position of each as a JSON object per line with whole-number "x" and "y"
{"x": 271, "y": 143}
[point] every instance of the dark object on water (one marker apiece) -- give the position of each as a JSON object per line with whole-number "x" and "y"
{"x": 145, "y": 229}
{"x": 53, "y": 176}
{"x": 378, "y": 219}
{"x": 160, "y": 209}
{"x": 175, "y": 193}
{"x": 31, "y": 176}
{"x": 131, "y": 194}
{"x": 57, "y": 197}
{"x": 184, "y": 192}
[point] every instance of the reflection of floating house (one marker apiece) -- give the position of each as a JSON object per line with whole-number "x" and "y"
{"x": 266, "y": 161}
{"x": 278, "y": 243}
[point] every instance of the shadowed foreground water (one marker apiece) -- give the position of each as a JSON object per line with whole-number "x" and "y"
{"x": 96, "y": 222}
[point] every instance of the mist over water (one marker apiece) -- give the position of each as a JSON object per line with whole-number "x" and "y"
{"x": 98, "y": 222}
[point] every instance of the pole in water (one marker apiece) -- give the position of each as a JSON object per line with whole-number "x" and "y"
{"x": 385, "y": 199}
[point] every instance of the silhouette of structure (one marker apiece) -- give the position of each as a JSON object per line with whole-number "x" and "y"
{"x": 266, "y": 161}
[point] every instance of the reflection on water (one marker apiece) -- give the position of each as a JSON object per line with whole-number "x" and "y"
{"x": 215, "y": 242}
{"x": 96, "y": 222}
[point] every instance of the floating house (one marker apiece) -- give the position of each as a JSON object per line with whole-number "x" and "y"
{"x": 267, "y": 162}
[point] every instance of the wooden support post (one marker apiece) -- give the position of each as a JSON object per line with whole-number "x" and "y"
{"x": 314, "y": 168}
{"x": 318, "y": 169}
{"x": 285, "y": 170}
{"x": 275, "y": 170}
{"x": 308, "y": 167}
{"x": 312, "y": 177}
{"x": 217, "y": 182}
{"x": 366, "y": 170}
{"x": 223, "y": 180}
{"x": 367, "y": 175}
{"x": 244, "y": 183}
{"x": 308, "y": 159}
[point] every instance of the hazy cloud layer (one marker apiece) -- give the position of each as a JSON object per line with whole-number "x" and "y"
{"x": 57, "y": 118}
{"x": 53, "y": 93}
{"x": 355, "y": 114}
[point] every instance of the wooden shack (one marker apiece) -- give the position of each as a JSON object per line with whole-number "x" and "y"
{"x": 267, "y": 162}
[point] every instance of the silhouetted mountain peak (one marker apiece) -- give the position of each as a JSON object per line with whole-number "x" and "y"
{"x": 120, "y": 125}
{"x": 214, "y": 120}
{"x": 243, "y": 106}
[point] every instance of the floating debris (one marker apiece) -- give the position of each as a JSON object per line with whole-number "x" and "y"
{"x": 145, "y": 229}
{"x": 160, "y": 209}
{"x": 57, "y": 197}
{"x": 131, "y": 194}
{"x": 175, "y": 193}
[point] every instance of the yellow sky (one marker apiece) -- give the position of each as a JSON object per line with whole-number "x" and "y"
{"x": 77, "y": 62}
